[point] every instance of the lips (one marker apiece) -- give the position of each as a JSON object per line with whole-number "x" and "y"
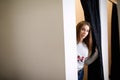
{"x": 83, "y": 35}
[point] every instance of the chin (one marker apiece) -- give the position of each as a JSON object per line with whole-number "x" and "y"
{"x": 84, "y": 37}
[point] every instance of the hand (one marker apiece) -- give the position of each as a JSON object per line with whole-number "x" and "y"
{"x": 96, "y": 50}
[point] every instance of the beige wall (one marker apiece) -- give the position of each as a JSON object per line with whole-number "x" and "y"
{"x": 79, "y": 11}
{"x": 31, "y": 40}
{"x": 109, "y": 13}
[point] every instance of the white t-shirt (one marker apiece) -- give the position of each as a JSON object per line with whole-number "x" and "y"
{"x": 82, "y": 54}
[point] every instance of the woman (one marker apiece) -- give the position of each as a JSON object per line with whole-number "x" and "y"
{"x": 84, "y": 47}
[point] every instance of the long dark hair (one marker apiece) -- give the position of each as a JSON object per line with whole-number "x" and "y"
{"x": 88, "y": 39}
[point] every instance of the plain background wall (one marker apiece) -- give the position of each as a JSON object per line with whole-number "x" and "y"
{"x": 109, "y": 13}
{"x": 79, "y": 11}
{"x": 31, "y": 40}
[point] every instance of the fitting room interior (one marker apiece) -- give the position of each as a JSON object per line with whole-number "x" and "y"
{"x": 80, "y": 17}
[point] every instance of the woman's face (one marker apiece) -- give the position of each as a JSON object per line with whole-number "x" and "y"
{"x": 84, "y": 31}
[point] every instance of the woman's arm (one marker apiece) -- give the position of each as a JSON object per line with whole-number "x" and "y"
{"x": 92, "y": 58}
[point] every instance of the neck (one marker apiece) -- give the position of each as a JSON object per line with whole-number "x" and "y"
{"x": 81, "y": 40}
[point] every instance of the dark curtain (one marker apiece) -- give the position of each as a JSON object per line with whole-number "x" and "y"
{"x": 91, "y": 12}
{"x": 115, "y": 53}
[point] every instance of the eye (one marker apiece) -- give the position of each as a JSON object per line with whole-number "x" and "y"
{"x": 83, "y": 29}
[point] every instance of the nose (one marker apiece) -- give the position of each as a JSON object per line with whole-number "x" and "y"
{"x": 85, "y": 31}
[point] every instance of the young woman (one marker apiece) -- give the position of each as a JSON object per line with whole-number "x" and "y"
{"x": 84, "y": 47}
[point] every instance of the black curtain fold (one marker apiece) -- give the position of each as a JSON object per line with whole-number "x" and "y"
{"x": 115, "y": 52}
{"x": 91, "y": 13}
